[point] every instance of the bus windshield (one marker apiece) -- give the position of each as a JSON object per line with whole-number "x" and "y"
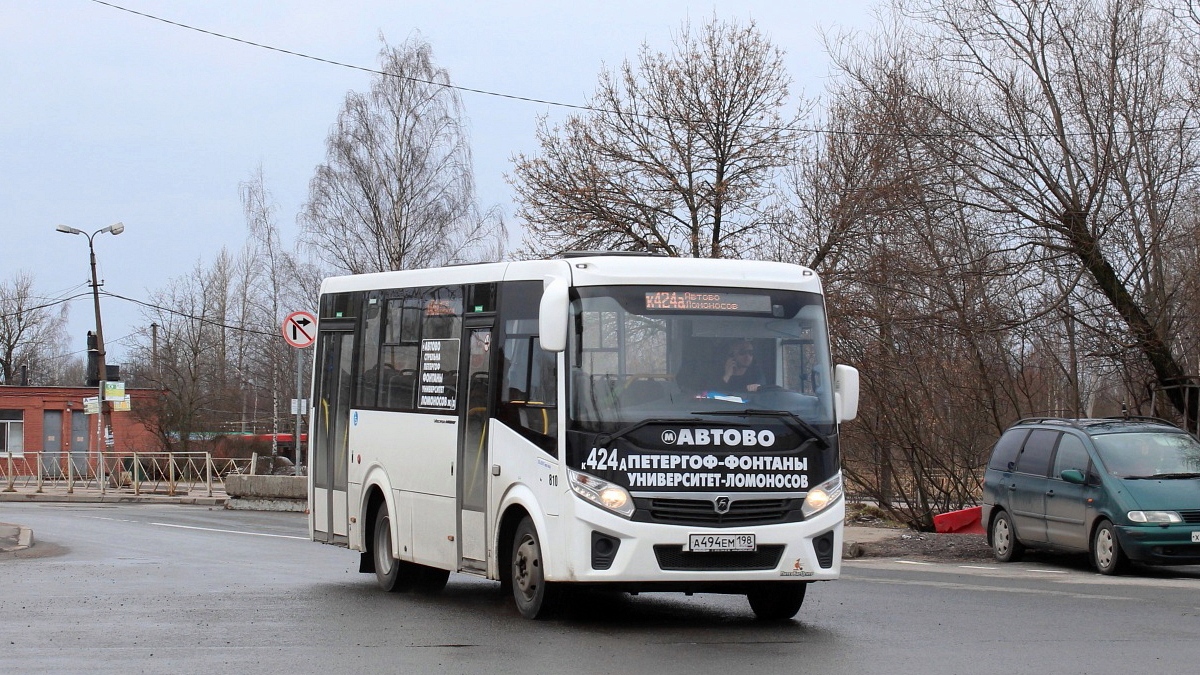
{"x": 642, "y": 353}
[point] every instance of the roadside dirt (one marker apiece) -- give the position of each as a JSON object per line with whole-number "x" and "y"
{"x": 911, "y": 545}
{"x": 928, "y": 546}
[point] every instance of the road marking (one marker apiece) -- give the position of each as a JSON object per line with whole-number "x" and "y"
{"x": 994, "y": 589}
{"x": 1045, "y": 571}
{"x": 115, "y": 520}
{"x": 977, "y": 567}
{"x": 213, "y": 529}
{"x": 912, "y": 562}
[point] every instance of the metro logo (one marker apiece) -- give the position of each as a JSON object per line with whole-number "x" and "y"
{"x": 728, "y": 437}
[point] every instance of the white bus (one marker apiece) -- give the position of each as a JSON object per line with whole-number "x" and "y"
{"x": 622, "y": 422}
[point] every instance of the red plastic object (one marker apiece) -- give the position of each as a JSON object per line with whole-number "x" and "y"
{"x": 966, "y": 521}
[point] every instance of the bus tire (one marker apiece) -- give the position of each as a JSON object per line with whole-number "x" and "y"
{"x": 394, "y": 576}
{"x": 431, "y": 580}
{"x": 534, "y": 596}
{"x": 778, "y": 601}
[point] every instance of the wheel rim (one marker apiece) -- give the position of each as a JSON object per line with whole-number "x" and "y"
{"x": 383, "y": 548}
{"x": 1104, "y": 548}
{"x": 1002, "y": 537}
{"x": 527, "y": 565}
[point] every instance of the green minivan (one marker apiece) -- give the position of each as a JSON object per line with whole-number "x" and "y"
{"x": 1120, "y": 490}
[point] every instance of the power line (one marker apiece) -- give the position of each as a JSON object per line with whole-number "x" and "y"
{"x": 193, "y": 317}
{"x": 1173, "y": 128}
{"x": 52, "y": 303}
{"x": 341, "y": 64}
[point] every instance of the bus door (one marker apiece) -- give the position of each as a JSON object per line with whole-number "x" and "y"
{"x": 474, "y": 460}
{"x": 329, "y": 460}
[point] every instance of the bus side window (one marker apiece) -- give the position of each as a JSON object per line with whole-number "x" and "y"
{"x": 399, "y": 355}
{"x": 368, "y": 375}
{"x": 528, "y": 391}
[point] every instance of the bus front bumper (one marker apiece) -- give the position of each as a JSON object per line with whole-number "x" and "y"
{"x": 603, "y": 548}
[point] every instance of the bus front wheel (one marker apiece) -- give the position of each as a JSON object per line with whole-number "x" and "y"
{"x": 535, "y": 598}
{"x": 393, "y": 575}
{"x": 777, "y": 602}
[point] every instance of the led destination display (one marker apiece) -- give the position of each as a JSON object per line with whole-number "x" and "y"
{"x": 707, "y": 301}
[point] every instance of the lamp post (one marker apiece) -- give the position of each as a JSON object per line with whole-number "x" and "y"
{"x": 101, "y": 367}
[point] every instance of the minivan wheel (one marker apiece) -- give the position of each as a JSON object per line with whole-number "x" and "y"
{"x": 1107, "y": 555}
{"x": 1005, "y": 546}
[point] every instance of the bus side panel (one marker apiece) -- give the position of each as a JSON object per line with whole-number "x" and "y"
{"x": 528, "y": 476}
{"x": 419, "y": 449}
{"x": 433, "y": 528}
{"x": 354, "y": 497}
{"x": 417, "y": 452}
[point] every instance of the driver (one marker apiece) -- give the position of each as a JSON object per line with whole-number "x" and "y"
{"x": 740, "y": 373}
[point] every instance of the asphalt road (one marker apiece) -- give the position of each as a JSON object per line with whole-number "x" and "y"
{"x": 179, "y": 589}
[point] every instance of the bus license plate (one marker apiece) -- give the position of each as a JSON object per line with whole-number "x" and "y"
{"x": 705, "y": 543}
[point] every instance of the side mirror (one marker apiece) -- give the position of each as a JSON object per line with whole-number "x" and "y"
{"x": 845, "y": 392}
{"x": 553, "y": 317}
{"x": 1073, "y": 476}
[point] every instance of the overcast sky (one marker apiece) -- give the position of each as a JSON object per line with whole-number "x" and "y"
{"x": 106, "y": 116}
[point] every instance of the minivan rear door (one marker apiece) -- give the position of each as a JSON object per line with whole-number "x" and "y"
{"x": 1028, "y": 485}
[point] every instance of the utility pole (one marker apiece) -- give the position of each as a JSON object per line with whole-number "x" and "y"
{"x": 103, "y": 419}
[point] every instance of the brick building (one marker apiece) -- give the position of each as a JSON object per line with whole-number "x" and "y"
{"x": 51, "y": 421}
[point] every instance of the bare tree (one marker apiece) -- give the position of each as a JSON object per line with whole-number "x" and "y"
{"x": 220, "y": 361}
{"x": 927, "y": 293}
{"x": 679, "y": 152}
{"x": 397, "y": 189}
{"x": 31, "y": 330}
{"x": 191, "y": 316}
{"x": 999, "y": 207}
{"x": 1077, "y": 120}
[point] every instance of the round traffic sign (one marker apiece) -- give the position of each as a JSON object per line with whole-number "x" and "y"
{"x": 300, "y": 329}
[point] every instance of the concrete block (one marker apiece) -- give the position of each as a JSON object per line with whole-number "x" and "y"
{"x": 266, "y": 487}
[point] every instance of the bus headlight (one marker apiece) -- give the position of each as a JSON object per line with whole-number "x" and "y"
{"x": 602, "y": 493}
{"x": 822, "y": 496}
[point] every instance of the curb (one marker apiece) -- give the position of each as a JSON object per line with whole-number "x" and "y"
{"x": 86, "y": 498}
{"x": 266, "y": 504}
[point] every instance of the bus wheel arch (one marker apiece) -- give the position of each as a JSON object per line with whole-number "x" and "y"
{"x": 512, "y": 518}
{"x": 370, "y": 512}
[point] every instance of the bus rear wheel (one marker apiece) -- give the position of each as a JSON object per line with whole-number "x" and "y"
{"x": 431, "y": 580}
{"x": 777, "y": 602}
{"x": 535, "y": 597}
{"x": 394, "y": 576}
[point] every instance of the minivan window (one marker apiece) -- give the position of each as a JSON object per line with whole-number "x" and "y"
{"x": 1035, "y": 457}
{"x": 1007, "y": 448}
{"x": 1148, "y": 454}
{"x": 1071, "y": 455}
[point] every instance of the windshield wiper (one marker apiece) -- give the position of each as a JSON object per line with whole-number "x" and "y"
{"x": 787, "y": 415}
{"x": 1165, "y": 476}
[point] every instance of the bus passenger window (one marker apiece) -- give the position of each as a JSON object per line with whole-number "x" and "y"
{"x": 528, "y": 391}
{"x": 368, "y": 375}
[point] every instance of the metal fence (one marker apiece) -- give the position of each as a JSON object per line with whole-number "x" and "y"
{"x": 166, "y": 473}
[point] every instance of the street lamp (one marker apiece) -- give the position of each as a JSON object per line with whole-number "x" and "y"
{"x": 101, "y": 367}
